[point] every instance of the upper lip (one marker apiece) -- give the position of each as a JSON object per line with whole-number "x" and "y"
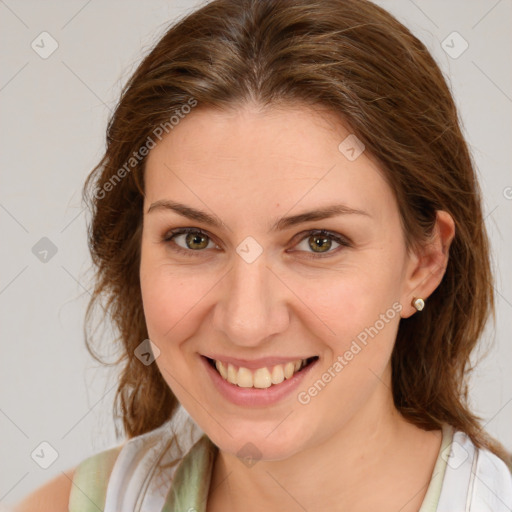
{"x": 253, "y": 364}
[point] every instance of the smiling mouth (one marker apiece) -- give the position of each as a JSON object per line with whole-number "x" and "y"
{"x": 261, "y": 377}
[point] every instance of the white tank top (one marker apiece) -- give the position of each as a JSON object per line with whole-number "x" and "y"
{"x": 465, "y": 479}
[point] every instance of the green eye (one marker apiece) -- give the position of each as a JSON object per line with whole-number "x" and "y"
{"x": 318, "y": 243}
{"x": 196, "y": 241}
{"x": 315, "y": 243}
{"x": 322, "y": 243}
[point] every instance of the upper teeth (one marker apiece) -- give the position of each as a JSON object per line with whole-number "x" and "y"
{"x": 261, "y": 377}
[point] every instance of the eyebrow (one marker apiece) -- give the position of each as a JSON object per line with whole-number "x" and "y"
{"x": 280, "y": 225}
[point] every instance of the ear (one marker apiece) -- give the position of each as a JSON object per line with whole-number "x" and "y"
{"x": 427, "y": 264}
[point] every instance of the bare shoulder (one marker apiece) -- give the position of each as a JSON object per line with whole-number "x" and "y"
{"x": 53, "y": 495}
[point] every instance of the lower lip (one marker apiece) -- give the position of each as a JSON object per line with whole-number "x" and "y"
{"x": 254, "y": 396}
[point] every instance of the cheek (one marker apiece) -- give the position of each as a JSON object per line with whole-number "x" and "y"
{"x": 362, "y": 314}
{"x": 361, "y": 309}
{"x": 171, "y": 300}
{"x": 171, "y": 307}
{"x": 356, "y": 299}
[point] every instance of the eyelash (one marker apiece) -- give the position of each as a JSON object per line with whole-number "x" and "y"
{"x": 170, "y": 235}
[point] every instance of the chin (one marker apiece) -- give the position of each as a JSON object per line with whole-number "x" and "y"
{"x": 253, "y": 443}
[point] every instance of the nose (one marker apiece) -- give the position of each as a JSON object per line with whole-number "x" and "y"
{"x": 253, "y": 306}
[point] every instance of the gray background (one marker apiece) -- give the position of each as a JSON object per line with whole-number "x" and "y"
{"x": 53, "y": 118}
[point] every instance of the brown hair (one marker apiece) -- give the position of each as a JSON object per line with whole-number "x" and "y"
{"x": 355, "y": 59}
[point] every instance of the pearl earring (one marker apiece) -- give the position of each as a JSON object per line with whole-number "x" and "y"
{"x": 418, "y": 303}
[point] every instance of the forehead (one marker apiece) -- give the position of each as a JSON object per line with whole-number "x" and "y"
{"x": 252, "y": 158}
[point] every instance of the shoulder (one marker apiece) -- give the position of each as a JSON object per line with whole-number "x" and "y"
{"x": 476, "y": 476}
{"x": 493, "y": 475}
{"x": 139, "y": 471}
{"x": 74, "y": 487}
{"x": 53, "y": 495}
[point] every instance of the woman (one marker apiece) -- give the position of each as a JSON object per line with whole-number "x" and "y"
{"x": 288, "y": 210}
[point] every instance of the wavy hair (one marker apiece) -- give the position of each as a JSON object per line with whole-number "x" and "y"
{"x": 355, "y": 59}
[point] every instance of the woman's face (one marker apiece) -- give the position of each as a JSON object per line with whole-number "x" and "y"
{"x": 255, "y": 287}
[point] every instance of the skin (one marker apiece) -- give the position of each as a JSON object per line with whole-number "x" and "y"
{"x": 251, "y": 167}
{"x": 53, "y": 495}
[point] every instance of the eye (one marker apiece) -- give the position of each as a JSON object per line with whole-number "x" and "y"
{"x": 189, "y": 240}
{"x": 319, "y": 242}
{"x": 192, "y": 241}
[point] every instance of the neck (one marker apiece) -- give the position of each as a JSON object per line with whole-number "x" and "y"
{"x": 357, "y": 468}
